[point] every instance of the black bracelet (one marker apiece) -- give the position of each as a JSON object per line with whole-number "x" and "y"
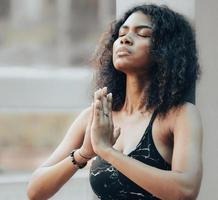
{"x": 80, "y": 165}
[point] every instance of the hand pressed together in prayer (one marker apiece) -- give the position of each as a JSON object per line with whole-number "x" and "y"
{"x": 103, "y": 133}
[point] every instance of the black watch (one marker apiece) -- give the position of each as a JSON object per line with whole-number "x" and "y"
{"x": 80, "y": 165}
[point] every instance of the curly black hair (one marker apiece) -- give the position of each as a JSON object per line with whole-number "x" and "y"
{"x": 175, "y": 67}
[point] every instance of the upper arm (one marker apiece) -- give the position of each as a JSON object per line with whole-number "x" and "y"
{"x": 72, "y": 140}
{"x": 187, "y": 151}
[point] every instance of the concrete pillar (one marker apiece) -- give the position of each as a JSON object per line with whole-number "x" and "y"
{"x": 105, "y": 9}
{"x": 25, "y": 10}
{"x": 64, "y": 20}
{"x": 207, "y": 95}
{"x": 187, "y": 8}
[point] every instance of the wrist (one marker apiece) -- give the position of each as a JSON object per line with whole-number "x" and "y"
{"x": 84, "y": 154}
{"x": 78, "y": 157}
{"x": 105, "y": 153}
{"x": 76, "y": 160}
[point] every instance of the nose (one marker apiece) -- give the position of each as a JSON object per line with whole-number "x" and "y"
{"x": 126, "y": 40}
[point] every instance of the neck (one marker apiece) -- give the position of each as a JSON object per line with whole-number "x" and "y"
{"x": 136, "y": 94}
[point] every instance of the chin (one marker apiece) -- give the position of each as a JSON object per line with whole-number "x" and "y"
{"x": 121, "y": 67}
{"x": 129, "y": 69}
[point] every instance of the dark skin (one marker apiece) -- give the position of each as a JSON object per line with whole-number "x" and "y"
{"x": 112, "y": 135}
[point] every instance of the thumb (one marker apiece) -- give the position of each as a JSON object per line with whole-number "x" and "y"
{"x": 117, "y": 131}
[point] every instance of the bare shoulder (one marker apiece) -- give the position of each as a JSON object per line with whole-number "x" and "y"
{"x": 84, "y": 116}
{"x": 78, "y": 127}
{"x": 187, "y": 113}
{"x": 180, "y": 117}
{"x": 80, "y": 122}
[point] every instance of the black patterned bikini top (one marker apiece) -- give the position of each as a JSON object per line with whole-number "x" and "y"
{"x": 110, "y": 184}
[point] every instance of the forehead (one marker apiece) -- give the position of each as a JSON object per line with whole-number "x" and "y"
{"x": 138, "y": 18}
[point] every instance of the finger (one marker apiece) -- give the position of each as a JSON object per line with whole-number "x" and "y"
{"x": 104, "y": 91}
{"x": 109, "y": 106}
{"x": 97, "y": 94}
{"x": 116, "y": 134}
{"x": 104, "y": 103}
{"x": 97, "y": 111}
{"x": 92, "y": 114}
{"x": 97, "y": 97}
{"x": 90, "y": 118}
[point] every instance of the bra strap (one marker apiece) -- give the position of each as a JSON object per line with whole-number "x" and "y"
{"x": 153, "y": 117}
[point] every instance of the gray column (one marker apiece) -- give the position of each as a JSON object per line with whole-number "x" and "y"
{"x": 64, "y": 10}
{"x": 207, "y": 95}
{"x": 105, "y": 9}
{"x": 25, "y": 10}
{"x": 187, "y": 8}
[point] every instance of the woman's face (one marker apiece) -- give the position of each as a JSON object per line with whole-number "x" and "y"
{"x": 131, "y": 49}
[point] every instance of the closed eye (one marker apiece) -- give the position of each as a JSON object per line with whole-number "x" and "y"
{"x": 121, "y": 35}
{"x": 143, "y": 35}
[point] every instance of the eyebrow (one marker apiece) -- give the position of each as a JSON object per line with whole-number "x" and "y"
{"x": 138, "y": 27}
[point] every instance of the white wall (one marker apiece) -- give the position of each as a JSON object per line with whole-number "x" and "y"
{"x": 186, "y": 7}
{"x": 207, "y": 95}
{"x": 29, "y": 89}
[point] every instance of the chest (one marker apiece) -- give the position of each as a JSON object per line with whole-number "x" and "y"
{"x": 133, "y": 130}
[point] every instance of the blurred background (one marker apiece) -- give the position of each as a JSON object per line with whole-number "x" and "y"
{"x": 45, "y": 81}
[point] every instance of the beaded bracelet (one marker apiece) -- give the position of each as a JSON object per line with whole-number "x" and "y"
{"x": 80, "y": 165}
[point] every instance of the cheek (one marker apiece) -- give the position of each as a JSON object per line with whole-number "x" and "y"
{"x": 143, "y": 49}
{"x": 115, "y": 46}
{"x": 142, "y": 54}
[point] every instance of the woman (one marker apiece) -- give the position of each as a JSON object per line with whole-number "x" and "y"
{"x": 145, "y": 137}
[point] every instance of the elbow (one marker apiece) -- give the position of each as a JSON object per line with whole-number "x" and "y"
{"x": 34, "y": 193}
{"x": 180, "y": 194}
{"x": 187, "y": 194}
{"x": 188, "y": 189}
{"x": 31, "y": 196}
{"x": 37, "y": 188}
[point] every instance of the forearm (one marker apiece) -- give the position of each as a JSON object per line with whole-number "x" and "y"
{"x": 46, "y": 181}
{"x": 164, "y": 184}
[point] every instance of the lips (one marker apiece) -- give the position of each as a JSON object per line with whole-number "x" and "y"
{"x": 123, "y": 51}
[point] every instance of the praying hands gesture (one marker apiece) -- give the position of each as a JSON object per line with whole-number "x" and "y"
{"x": 103, "y": 133}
